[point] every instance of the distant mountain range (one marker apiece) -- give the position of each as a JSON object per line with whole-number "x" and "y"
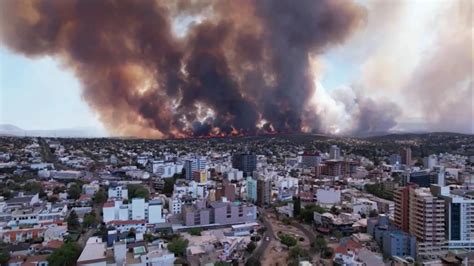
{"x": 90, "y": 132}
{"x": 80, "y": 132}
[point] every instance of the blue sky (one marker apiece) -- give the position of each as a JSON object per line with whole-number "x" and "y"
{"x": 39, "y": 93}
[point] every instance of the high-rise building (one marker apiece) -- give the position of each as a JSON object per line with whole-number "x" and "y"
{"x": 401, "y": 198}
{"x": 251, "y": 189}
{"x": 309, "y": 159}
{"x": 334, "y": 153}
{"x": 405, "y": 154}
{"x": 225, "y": 189}
{"x": 264, "y": 191}
{"x": 459, "y": 217}
{"x": 333, "y": 168}
{"x": 430, "y": 162}
{"x": 426, "y": 220}
{"x": 395, "y": 159}
{"x": 192, "y": 165}
{"x": 245, "y": 162}
{"x": 423, "y": 178}
{"x": 420, "y": 213}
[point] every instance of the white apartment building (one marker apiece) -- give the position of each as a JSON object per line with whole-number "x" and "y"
{"x": 138, "y": 209}
{"x": 328, "y": 196}
{"x": 193, "y": 189}
{"x": 175, "y": 204}
{"x": 363, "y": 206}
{"x": 118, "y": 192}
{"x": 165, "y": 169}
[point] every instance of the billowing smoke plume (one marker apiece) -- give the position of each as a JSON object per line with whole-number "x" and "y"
{"x": 413, "y": 63}
{"x": 241, "y": 67}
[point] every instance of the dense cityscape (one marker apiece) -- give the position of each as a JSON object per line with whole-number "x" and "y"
{"x": 264, "y": 200}
{"x": 236, "y": 132}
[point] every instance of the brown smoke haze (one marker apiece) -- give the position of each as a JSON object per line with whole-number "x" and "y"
{"x": 243, "y": 69}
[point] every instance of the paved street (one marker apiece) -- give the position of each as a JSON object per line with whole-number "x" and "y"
{"x": 269, "y": 233}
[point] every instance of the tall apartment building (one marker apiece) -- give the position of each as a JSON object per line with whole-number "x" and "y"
{"x": 309, "y": 159}
{"x": 332, "y": 168}
{"x": 401, "y": 196}
{"x": 251, "y": 189}
{"x": 334, "y": 153}
{"x": 426, "y": 222}
{"x": 264, "y": 191}
{"x": 405, "y": 154}
{"x": 421, "y": 213}
{"x": 192, "y": 165}
{"x": 459, "y": 217}
{"x": 245, "y": 162}
{"x": 225, "y": 189}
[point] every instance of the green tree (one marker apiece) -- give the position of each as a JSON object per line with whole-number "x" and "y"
{"x": 419, "y": 162}
{"x": 296, "y": 206}
{"x": 287, "y": 240}
{"x": 222, "y": 263}
{"x": 168, "y": 187}
{"x": 327, "y": 253}
{"x": 53, "y": 199}
{"x": 196, "y": 231}
{"x": 252, "y": 262}
{"x": 138, "y": 191}
{"x": 74, "y": 191}
{"x": 6, "y": 193}
{"x": 334, "y": 210}
{"x": 178, "y": 246}
{"x": 89, "y": 220}
{"x": 251, "y": 247}
{"x": 338, "y": 234}
{"x": 296, "y": 253}
{"x": 59, "y": 189}
{"x": 33, "y": 187}
{"x": 149, "y": 237}
{"x": 67, "y": 254}
{"x": 373, "y": 213}
{"x": 4, "y": 258}
{"x": 319, "y": 243}
{"x": 307, "y": 213}
{"x": 131, "y": 233}
{"x": 100, "y": 197}
{"x": 73, "y": 222}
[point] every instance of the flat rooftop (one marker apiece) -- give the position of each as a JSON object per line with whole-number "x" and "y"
{"x": 94, "y": 251}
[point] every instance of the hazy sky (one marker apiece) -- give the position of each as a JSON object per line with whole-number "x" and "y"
{"x": 413, "y": 58}
{"x": 40, "y": 94}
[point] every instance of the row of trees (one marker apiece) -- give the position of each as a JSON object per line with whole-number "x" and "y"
{"x": 379, "y": 191}
{"x": 305, "y": 214}
{"x": 67, "y": 254}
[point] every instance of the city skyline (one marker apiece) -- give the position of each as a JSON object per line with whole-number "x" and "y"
{"x": 395, "y": 66}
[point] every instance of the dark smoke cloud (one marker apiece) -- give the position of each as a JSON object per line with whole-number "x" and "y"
{"x": 243, "y": 69}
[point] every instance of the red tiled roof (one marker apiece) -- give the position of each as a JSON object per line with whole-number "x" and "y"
{"x": 36, "y": 258}
{"x": 16, "y": 259}
{"x": 58, "y": 222}
{"x": 84, "y": 197}
{"x": 347, "y": 246}
{"x": 109, "y": 204}
{"x": 54, "y": 244}
{"x": 27, "y": 230}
